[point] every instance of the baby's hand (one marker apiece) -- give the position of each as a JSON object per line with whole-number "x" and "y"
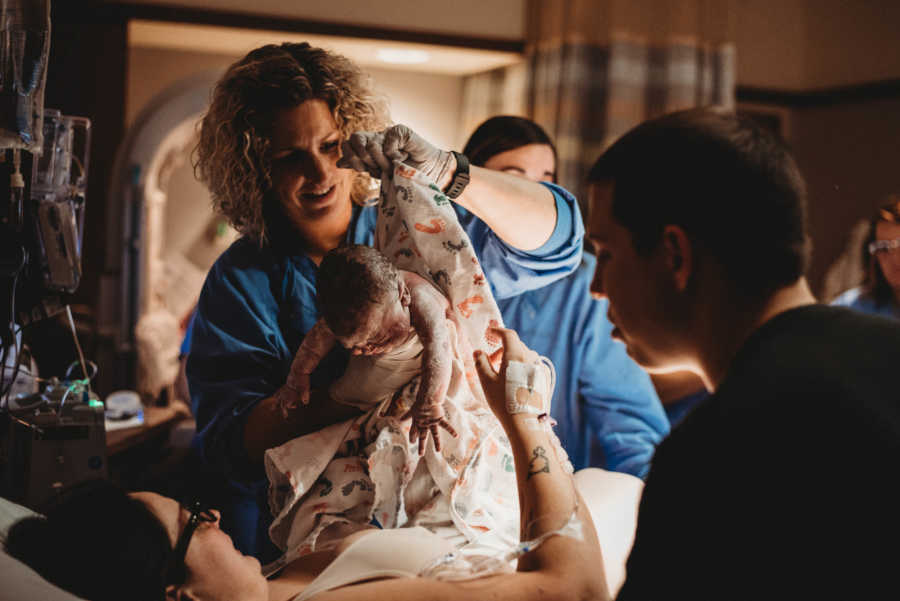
{"x": 296, "y": 387}
{"x": 427, "y": 414}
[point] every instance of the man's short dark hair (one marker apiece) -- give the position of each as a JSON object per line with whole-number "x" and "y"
{"x": 351, "y": 279}
{"x": 731, "y": 185}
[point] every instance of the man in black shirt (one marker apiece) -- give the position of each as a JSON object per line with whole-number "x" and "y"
{"x": 784, "y": 482}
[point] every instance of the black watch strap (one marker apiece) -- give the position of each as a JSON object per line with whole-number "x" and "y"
{"x": 460, "y": 176}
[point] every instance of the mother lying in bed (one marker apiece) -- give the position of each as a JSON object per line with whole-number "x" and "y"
{"x": 105, "y": 544}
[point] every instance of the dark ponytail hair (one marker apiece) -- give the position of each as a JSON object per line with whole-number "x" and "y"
{"x": 97, "y": 543}
{"x": 502, "y": 133}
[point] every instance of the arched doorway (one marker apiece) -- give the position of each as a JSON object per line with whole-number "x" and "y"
{"x": 170, "y": 235}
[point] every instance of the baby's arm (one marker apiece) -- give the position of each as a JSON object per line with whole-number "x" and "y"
{"x": 428, "y": 314}
{"x": 316, "y": 344}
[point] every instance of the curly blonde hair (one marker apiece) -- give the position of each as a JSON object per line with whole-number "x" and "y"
{"x": 233, "y": 156}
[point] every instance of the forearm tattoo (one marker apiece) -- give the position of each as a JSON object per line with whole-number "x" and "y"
{"x": 539, "y": 462}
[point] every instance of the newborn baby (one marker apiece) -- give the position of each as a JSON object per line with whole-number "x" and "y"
{"x": 412, "y": 313}
{"x": 376, "y": 310}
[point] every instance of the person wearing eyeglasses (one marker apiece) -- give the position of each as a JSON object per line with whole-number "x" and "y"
{"x": 879, "y": 293}
{"x": 104, "y": 544}
{"x": 783, "y": 483}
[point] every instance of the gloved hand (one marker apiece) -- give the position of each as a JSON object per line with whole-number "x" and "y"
{"x": 373, "y": 152}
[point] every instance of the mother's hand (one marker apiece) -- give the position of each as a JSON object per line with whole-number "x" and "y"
{"x": 374, "y": 153}
{"x": 494, "y": 382}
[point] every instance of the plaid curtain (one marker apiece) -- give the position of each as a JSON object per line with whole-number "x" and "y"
{"x": 596, "y": 68}
{"x": 599, "y": 67}
{"x": 501, "y": 91}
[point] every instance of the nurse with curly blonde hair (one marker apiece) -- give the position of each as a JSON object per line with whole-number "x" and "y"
{"x": 288, "y": 148}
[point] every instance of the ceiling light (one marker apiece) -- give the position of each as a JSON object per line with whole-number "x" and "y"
{"x": 399, "y": 56}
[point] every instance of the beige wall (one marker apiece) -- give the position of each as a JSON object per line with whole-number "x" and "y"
{"x": 499, "y": 19}
{"x": 770, "y": 36}
{"x": 810, "y": 44}
{"x": 850, "y": 155}
{"x": 852, "y": 41}
{"x": 848, "y": 151}
{"x": 429, "y": 103}
{"x": 152, "y": 70}
{"x": 783, "y": 44}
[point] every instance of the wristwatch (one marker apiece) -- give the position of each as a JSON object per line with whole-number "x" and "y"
{"x": 460, "y": 176}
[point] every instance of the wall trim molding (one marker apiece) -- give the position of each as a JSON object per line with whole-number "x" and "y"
{"x": 851, "y": 94}
{"x": 124, "y": 10}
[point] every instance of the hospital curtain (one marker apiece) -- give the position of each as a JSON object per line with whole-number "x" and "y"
{"x": 599, "y": 67}
{"x": 500, "y": 91}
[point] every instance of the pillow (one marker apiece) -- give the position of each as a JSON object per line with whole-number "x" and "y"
{"x": 10, "y": 513}
{"x": 612, "y": 499}
{"x": 20, "y": 581}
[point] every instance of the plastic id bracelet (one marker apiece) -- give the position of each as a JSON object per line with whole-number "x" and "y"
{"x": 529, "y": 386}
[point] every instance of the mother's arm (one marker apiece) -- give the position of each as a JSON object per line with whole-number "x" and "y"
{"x": 562, "y": 567}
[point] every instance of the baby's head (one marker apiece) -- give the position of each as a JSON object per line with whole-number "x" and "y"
{"x": 363, "y": 299}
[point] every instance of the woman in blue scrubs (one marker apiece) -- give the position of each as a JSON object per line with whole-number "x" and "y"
{"x": 607, "y": 410}
{"x": 279, "y": 122}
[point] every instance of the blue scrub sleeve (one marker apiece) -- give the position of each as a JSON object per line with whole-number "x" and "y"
{"x": 188, "y": 331}
{"x": 512, "y": 271}
{"x": 565, "y": 226}
{"x": 238, "y": 357}
{"x": 622, "y": 408}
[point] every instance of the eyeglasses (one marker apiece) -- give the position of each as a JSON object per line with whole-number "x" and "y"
{"x": 883, "y": 247}
{"x": 177, "y": 571}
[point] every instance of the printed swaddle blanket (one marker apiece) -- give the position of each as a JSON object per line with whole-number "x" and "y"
{"x": 326, "y": 485}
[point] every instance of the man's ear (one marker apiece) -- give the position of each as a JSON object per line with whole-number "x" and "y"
{"x": 679, "y": 255}
{"x": 404, "y": 293}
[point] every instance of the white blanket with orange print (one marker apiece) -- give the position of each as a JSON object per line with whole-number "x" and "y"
{"x": 328, "y": 484}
